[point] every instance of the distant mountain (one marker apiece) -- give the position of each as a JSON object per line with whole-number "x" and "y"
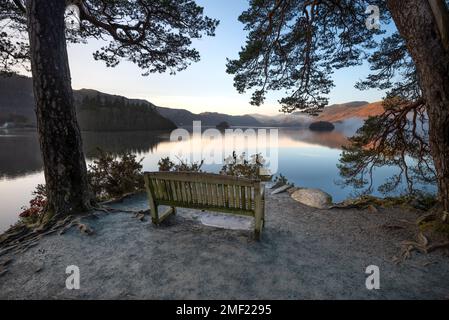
{"x": 342, "y": 112}
{"x": 96, "y": 111}
{"x": 99, "y": 111}
{"x": 284, "y": 120}
{"x": 182, "y": 117}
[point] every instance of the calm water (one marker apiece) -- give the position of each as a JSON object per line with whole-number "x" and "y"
{"x": 306, "y": 158}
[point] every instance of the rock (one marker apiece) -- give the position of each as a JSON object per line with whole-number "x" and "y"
{"x": 292, "y": 190}
{"x": 314, "y": 198}
{"x": 372, "y": 209}
{"x": 281, "y": 189}
{"x": 141, "y": 216}
{"x": 84, "y": 228}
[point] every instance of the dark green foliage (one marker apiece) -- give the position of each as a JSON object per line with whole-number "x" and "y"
{"x": 165, "y": 164}
{"x": 112, "y": 177}
{"x": 294, "y": 45}
{"x": 14, "y": 47}
{"x": 154, "y": 34}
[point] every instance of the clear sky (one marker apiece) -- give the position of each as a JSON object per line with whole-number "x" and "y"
{"x": 204, "y": 86}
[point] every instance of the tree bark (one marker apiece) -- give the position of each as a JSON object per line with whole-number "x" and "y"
{"x": 59, "y": 133}
{"x": 418, "y": 25}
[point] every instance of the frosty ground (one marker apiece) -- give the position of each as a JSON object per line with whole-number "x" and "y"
{"x": 304, "y": 253}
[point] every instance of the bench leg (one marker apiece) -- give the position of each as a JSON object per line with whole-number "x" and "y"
{"x": 258, "y": 213}
{"x": 154, "y": 214}
{"x": 166, "y": 214}
{"x": 258, "y": 227}
{"x": 151, "y": 202}
{"x": 258, "y": 221}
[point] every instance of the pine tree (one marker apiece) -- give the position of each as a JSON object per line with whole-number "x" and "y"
{"x": 156, "y": 35}
{"x": 295, "y": 45}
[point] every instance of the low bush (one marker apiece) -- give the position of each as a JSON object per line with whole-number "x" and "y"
{"x": 165, "y": 165}
{"x": 112, "y": 177}
{"x": 32, "y": 214}
{"x": 239, "y": 166}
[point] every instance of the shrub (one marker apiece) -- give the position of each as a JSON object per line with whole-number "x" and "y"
{"x": 109, "y": 177}
{"x": 239, "y": 166}
{"x": 165, "y": 164}
{"x": 36, "y": 207}
{"x": 112, "y": 177}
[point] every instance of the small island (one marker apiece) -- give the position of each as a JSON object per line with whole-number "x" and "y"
{"x": 322, "y": 126}
{"x": 223, "y": 126}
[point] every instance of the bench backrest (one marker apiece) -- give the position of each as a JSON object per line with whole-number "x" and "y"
{"x": 203, "y": 191}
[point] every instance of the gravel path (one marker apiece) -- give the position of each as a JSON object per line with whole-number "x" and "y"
{"x": 304, "y": 254}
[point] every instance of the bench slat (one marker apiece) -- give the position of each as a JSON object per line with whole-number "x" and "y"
{"x": 237, "y": 197}
{"x": 209, "y": 194}
{"x": 243, "y": 191}
{"x": 202, "y": 177}
{"x": 231, "y": 196}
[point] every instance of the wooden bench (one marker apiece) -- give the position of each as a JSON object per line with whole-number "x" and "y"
{"x": 205, "y": 191}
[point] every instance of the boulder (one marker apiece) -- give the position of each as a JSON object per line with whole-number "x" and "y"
{"x": 314, "y": 198}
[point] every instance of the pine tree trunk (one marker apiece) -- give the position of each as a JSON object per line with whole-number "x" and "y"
{"x": 59, "y": 133}
{"x": 417, "y": 24}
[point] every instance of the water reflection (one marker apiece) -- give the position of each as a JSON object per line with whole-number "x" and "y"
{"x": 120, "y": 142}
{"x": 20, "y": 154}
{"x": 306, "y": 158}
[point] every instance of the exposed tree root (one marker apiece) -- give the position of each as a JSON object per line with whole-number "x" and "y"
{"x": 421, "y": 245}
{"x": 21, "y": 237}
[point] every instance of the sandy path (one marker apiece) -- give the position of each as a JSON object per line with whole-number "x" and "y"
{"x": 305, "y": 254}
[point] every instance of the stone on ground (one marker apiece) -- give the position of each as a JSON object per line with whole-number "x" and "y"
{"x": 314, "y": 198}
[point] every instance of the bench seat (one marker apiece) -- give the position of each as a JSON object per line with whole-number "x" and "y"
{"x": 205, "y": 191}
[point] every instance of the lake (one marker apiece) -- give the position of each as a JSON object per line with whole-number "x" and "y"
{"x": 306, "y": 158}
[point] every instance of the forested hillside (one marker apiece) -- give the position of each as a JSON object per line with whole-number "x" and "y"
{"x": 96, "y": 111}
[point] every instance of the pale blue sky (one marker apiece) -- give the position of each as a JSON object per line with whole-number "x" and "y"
{"x": 204, "y": 86}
